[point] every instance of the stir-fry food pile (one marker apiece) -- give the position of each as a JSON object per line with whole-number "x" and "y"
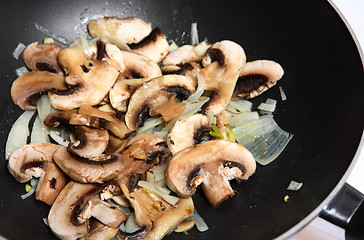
{"x": 126, "y": 126}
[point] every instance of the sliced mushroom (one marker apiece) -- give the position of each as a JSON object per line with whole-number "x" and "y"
{"x": 154, "y": 213}
{"x": 99, "y": 169}
{"x": 57, "y": 118}
{"x": 99, "y": 231}
{"x": 188, "y": 132}
{"x": 90, "y": 142}
{"x": 131, "y": 64}
{"x": 115, "y": 145}
{"x": 42, "y": 57}
{"x": 121, "y": 92}
{"x": 141, "y": 153}
{"x": 211, "y": 164}
{"x": 26, "y": 90}
{"x": 129, "y": 30}
{"x": 257, "y": 77}
{"x": 139, "y": 106}
{"x": 64, "y": 217}
{"x": 224, "y": 61}
{"x": 90, "y": 80}
{"x": 35, "y": 160}
{"x": 184, "y": 54}
{"x": 155, "y": 46}
{"x": 93, "y": 117}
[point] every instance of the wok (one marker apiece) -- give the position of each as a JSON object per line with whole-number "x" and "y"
{"x": 325, "y": 107}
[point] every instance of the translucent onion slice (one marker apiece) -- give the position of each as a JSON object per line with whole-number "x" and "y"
{"x": 263, "y": 138}
{"x": 294, "y": 186}
{"x": 44, "y": 107}
{"x": 149, "y": 124}
{"x": 18, "y": 50}
{"x": 200, "y": 223}
{"x": 200, "y": 88}
{"x": 200, "y": 49}
{"x": 33, "y": 183}
{"x": 51, "y": 35}
{"x": 58, "y": 139}
{"x": 18, "y": 134}
{"x": 39, "y": 132}
{"x": 21, "y": 71}
{"x": 239, "y": 119}
{"x": 241, "y": 105}
{"x": 172, "y": 46}
{"x": 194, "y": 34}
{"x": 283, "y": 94}
{"x": 160, "y": 191}
{"x": 130, "y": 225}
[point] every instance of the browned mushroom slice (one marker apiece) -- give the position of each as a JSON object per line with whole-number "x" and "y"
{"x": 188, "y": 132}
{"x": 42, "y": 57}
{"x": 224, "y": 61}
{"x": 139, "y": 106}
{"x": 155, "y": 46}
{"x": 129, "y": 30}
{"x": 35, "y": 160}
{"x": 90, "y": 142}
{"x": 93, "y": 117}
{"x": 157, "y": 216}
{"x": 99, "y": 169}
{"x": 89, "y": 80}
{"x": 257, "y": 77}
{"x": 211, "y": 164}
{"x": 121, "y": 92}
{"x": 181, "y": 56}
{"x": 115, "y": 145}
{"x": 26, "y": 90}
{"x": 64, "y": 217}
{"x": 99, "y": 231}
{"x": 57, "y": 118}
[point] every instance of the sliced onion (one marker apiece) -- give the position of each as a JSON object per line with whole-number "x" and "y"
{"x": 239, "y": 119}
{"x": 159, "y": 172}
{"x": 44, "y": 107}
{"x": 283, "y": 94}
{"x": 45, "y": 220}
{"x": 39, "y": 132}
{"x": 200, "y": 87}
{"x": 58, "y": 139}
{"x": 241, "y": 105}
{"x": 51, "y": 35}
{"x": 162, "y": 193}
{"x": 33, "y": 183}
{"x": 172, "y": 46}
{"x": 200, "y": 223}
{"x": 130, "y": 225}
{"x": 267, "y": 107}
{"x": 194, "y": 34}
{"x": 18, "y": 50}
{"x": 21, "y": 71}
{"x": 263, "y": 138}
{"x": 149, "y": 124}
{"x": 18, "y": 134}
{"x": 81, "y": 42}
{"x": 200, "y": 49}
{"x": 294, "y": 186}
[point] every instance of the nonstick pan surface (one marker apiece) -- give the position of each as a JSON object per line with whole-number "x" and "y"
{"x": 324, "y": 83}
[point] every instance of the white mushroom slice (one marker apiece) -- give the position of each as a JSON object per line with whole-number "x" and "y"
{"x": 129, "y": 30}
{"x": 26, "y": 89}
{"x": 35, "y": 160}
{"x": 64, "y": 219}
{"x": 211, "y": 164}
{"x": 224, "y": 61}
{"x": 155, "y": 46}
{"x": 256, "y": 77}
{"x": 89, "y": 170}
{"x": 139, "y": 107}
{"x": 182, "y": 55}
{"x": 90, "y": 80}
{"x": 187, "y": 132}
{"x": 90, "y": 142}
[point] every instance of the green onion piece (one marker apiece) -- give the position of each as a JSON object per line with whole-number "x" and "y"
{"x": 231, "y": 133}
{"x": 28, "y": 187}
{"x": 216, "y": 132}
{"x": 286, "y": 198}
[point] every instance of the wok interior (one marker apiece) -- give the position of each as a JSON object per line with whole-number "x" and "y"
{"x": 323, "y": 82}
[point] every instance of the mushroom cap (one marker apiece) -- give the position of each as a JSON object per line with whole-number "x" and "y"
{"x": 27, "y": 88}
{"x": 211, "y": 163}
{"x": 60, "y": 117}
{"x": 182, "y": 55}
{"x": 90, "y": 80}
{"x": 187, "y": 132}
{"x": 138, "y": 108}
{"x": 129, "y": 30}
{"x": 89, "y": 170}
{"x": 223, "y": 60}
{"x": 42, "y": 57}
{"x": 256, "y": 77}
{"x": 90, "y": 142}
{"x": 155, "y": 46}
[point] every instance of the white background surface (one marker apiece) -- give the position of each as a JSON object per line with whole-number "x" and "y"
{"x": 319, "y": 229}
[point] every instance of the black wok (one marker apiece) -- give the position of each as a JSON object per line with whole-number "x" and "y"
{"x": 324, "y": 83}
